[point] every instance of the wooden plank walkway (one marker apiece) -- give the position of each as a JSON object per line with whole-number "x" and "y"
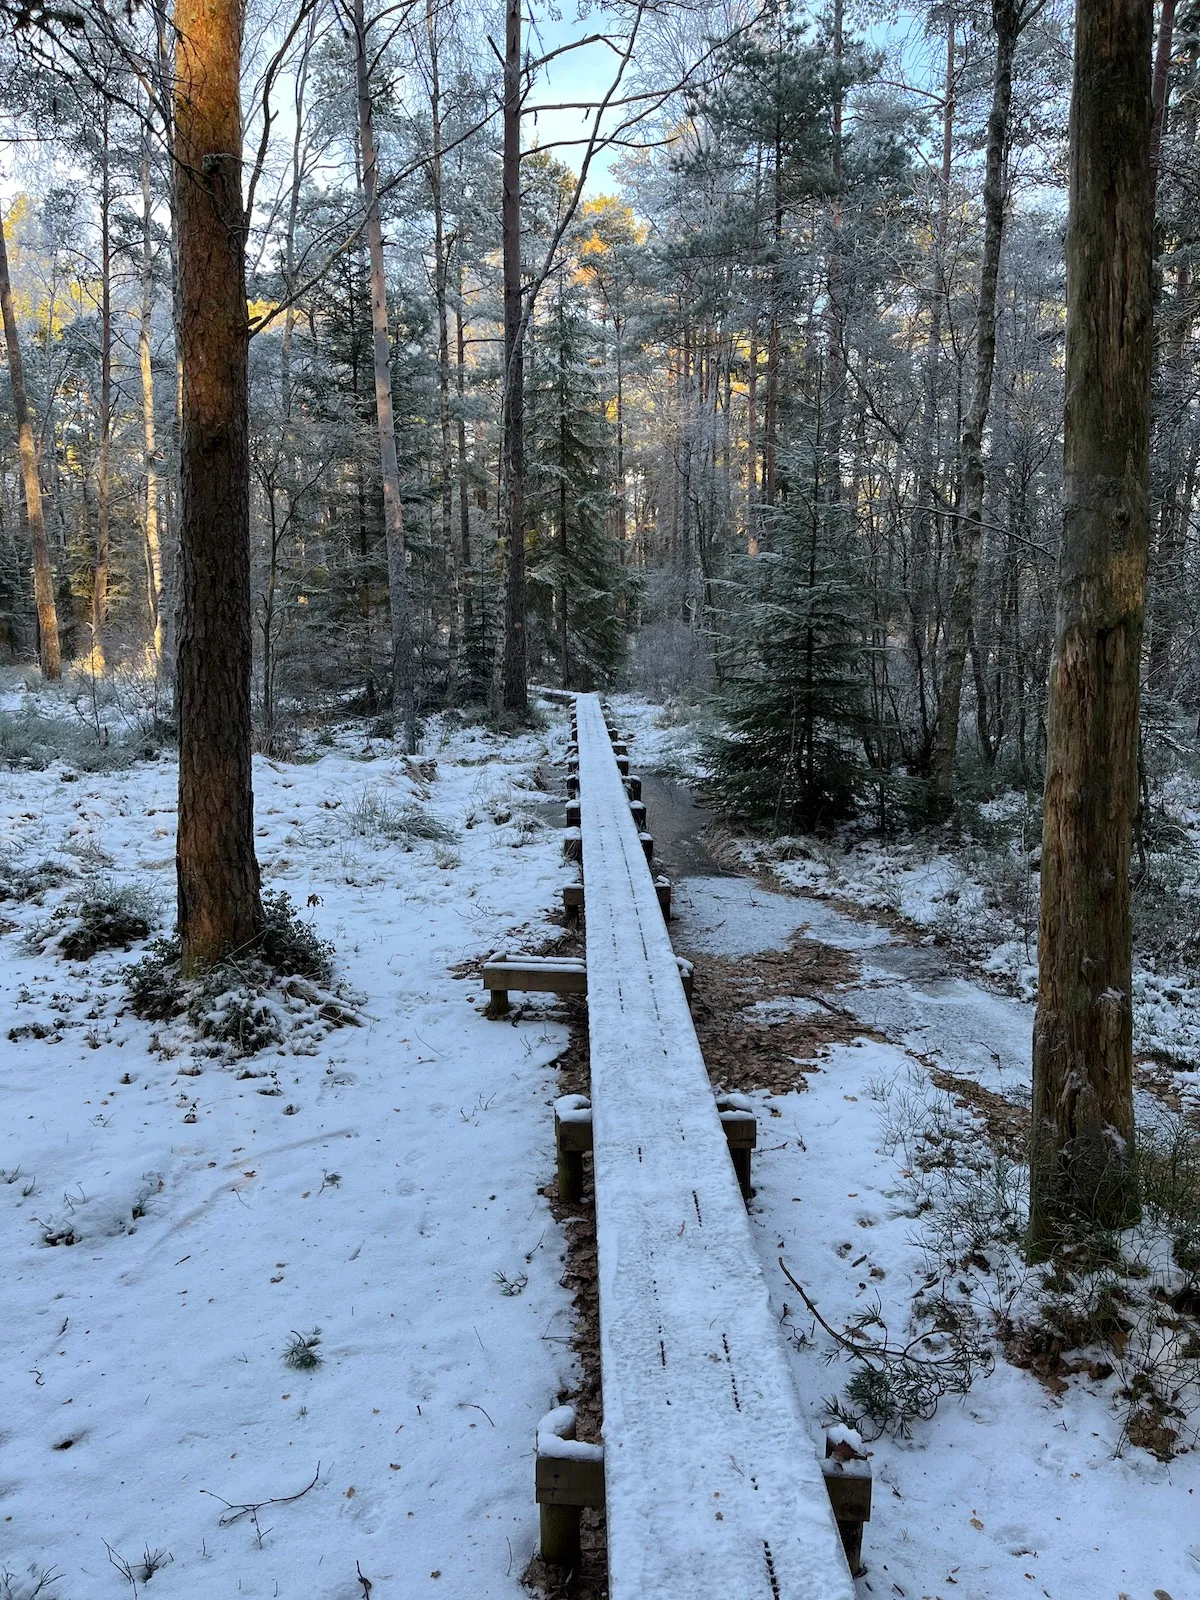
{"x": 713, "y": 1486}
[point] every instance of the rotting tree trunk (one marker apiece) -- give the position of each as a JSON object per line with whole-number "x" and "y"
{"x": 514, "y": 694}
{"x": 404, "y": 696}
{"x": 219, "y": 908}
{"x": 49, "y": 652}
{"x": 1081, "y": 1162}
{"x": 1009, "y": 18}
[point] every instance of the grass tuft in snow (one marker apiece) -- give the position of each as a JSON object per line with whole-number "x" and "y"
{"x": 376, "y": 814}
{"x": 302, "y": 1353}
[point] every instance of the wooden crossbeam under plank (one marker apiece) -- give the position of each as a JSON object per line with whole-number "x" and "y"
{"x": 713, "y": 1487}
{"x": 550, "y": 975}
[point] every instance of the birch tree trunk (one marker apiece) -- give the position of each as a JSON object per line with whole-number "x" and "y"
{"x": 219, "y": 908}
{"x": 49, "y": 653}
{"x": 1082, "y": 1169}
{"x": 404, "y": 702}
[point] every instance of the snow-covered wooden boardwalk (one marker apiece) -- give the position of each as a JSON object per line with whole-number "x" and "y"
{"x": 713, "y": 1486}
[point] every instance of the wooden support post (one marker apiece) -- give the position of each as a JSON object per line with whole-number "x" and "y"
{"x": 572, "y": 898}
{"x": 662, "y": 888}
{"x": 848, "y": 1480}
{"x": 623, "y": 766}
{"x": 647, "y": 845}
{"x": 572, "y": 813}
{"x": 573, "y": 844}
{"x": 573, "y": 783}
{"x": 687, "y": 974}
{"x": 567, "y": 1476}
{"x": 633, "y": 787}
{"x": 741, "y": 1130}
{"x": 638, "y": 809}
{"x": 572, "y": 1138}
{"x": 620, "y": 748}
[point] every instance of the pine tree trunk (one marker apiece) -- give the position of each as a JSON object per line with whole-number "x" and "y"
{"x": 1008, "y": 19}
{"x": 49, "y": 652}
{"x": 1082, "y": 1168}
{"x": 103, "y": 474}
{"x": 514, "y": 692}
{"x": 441, "y": 275}
{"x": 153, "y": 552}
{"x": 219, "y": 909}
{"x": 464, "y": 494}
{"x": 404, "y": 701}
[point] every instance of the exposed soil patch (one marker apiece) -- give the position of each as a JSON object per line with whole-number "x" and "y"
{"x": 750, "y": 1037}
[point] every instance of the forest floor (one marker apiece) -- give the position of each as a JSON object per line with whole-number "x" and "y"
{"x": 179, "y": 1210}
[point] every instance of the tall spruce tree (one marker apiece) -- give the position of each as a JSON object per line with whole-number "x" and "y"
{"x": 794, "y": 701}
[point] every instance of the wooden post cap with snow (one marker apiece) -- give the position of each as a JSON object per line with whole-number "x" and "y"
{"x": 569, "y": 1475}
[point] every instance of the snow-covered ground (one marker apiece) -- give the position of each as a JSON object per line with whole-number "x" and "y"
{"x": 387, "y": 1195}
{"x": 381, "y": 1183}
{"x": 1009, "y": 1490}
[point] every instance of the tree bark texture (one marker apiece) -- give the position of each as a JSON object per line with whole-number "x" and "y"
{"x": 1082, "y": 1168}
{"x": 49, "y": 652}
{"x": 513, "y": 691}
{"x": 1009, "y": 18}
{"x": 219, "y": 908}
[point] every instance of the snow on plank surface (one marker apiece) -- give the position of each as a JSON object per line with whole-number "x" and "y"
{"x": 712, "y": 1482}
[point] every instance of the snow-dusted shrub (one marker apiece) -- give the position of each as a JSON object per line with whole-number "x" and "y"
{"x": 237, "y": 1014}
{"x": 110, "y": 916}
{"x": 156, "y": 991}
{"x": 21, "y": 883}
{"x": 288, "y": 944}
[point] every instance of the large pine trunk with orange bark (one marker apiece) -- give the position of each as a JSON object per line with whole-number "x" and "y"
{"x": 219, "y": 908}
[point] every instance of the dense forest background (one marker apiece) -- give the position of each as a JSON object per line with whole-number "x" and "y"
{"x": 792, "y": 376}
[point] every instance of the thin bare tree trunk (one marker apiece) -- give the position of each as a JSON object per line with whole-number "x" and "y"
{"x": 514, "y": 693}
{"x": 1081, "y": 1164}
{"x": 404, "y": 697}
{"x": 219, "y": 908}
{"x": 441, "y": 274}
{"x": 103, "y": 474}
{"x": 154, "y": 579}
{"x": 49, "y": 653}
{"x": 1009, "y": 18}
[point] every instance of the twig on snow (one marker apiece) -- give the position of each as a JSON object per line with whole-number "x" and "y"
{"x": 234, "y": 1512}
